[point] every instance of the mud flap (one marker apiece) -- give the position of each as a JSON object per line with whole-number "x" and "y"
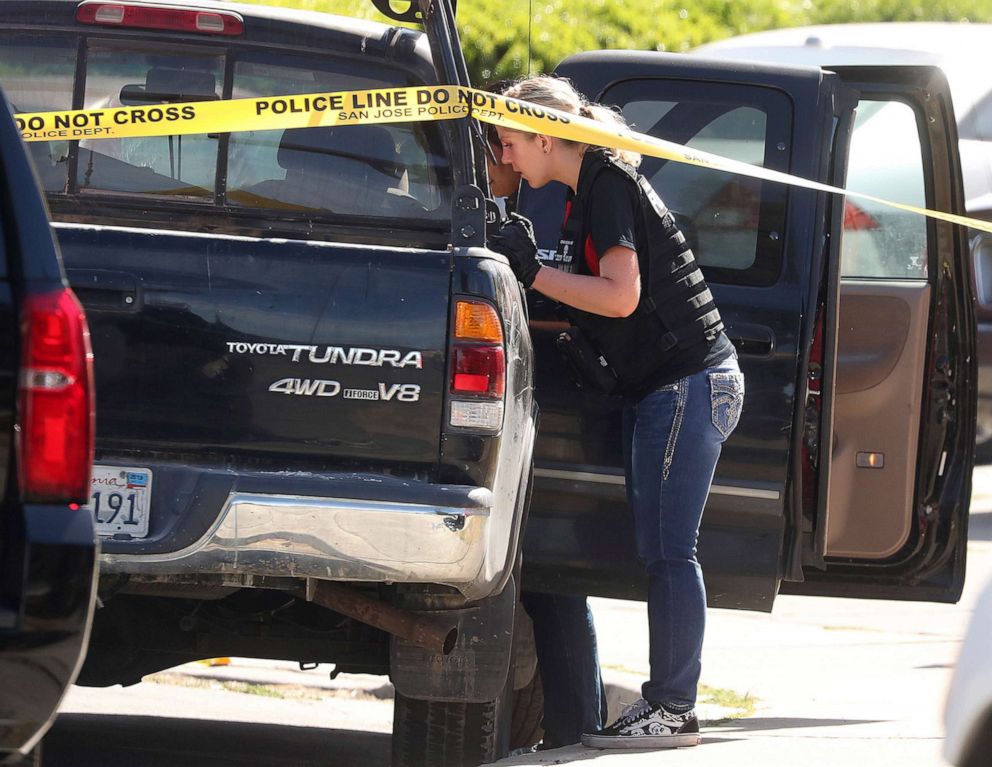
{"x": 476, "y": 670}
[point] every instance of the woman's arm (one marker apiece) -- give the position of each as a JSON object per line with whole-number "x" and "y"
{"x": 615, "y": 293}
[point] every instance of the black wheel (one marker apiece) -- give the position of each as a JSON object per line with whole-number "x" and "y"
{"x": 443, "y": 734}
{"x": 439, "y": 734}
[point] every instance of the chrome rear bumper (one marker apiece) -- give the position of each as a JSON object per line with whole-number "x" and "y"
{"x": 339, "y": 539}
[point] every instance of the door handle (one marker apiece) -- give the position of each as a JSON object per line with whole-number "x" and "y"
{"x": 752, "y": 340}
{"x": 105, "y": 290}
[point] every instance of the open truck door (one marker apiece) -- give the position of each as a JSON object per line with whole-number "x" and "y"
{"x": 892, "y": 505}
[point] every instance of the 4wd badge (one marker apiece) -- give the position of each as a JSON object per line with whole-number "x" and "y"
{"x": 310, "y": 387}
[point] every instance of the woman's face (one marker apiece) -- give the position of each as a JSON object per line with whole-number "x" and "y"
{"x": 526, "y": 153}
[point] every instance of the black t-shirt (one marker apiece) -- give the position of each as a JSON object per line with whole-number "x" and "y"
{"x": 613, "y": 217}
{"x": 612, "y": 210}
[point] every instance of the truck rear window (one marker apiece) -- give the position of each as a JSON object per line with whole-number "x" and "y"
{"x": 345, "y": 169}
{"x": 146, "y": 76}
{"x": 398, "y": 170}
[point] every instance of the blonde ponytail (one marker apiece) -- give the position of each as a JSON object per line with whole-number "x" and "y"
{"x": 558, "y": 93}
{"x": 614, "y": 119}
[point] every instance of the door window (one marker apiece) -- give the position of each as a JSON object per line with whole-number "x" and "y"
{"x": 733, "y": 223}
{"x": 886, "y": 161}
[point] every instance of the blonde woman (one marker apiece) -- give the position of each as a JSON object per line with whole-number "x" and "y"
{"x": 637, "y": 298}
{"x": 574, "y": 696}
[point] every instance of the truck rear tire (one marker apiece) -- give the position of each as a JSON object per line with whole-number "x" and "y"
{"x": 433, "y": 734}
{"x": 446, "y": 734}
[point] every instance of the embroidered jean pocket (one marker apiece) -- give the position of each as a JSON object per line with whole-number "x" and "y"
{"x": 726, "y": 400}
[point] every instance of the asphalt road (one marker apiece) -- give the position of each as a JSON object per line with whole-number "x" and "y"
{"x": 817, "y": 682}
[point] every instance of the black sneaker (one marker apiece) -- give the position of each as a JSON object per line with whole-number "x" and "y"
{"x": 646, "y": 725}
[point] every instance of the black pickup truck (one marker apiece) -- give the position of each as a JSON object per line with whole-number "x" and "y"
{"x": 317, "y": 390}
{"x": 48, "y": 550}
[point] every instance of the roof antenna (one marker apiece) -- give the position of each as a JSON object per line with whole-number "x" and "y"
{"x": 530, "y": 23}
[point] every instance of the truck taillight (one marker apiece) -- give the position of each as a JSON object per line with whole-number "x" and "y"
{"x": 150, "y": 16}
{"x": 55, "y": 418}
{"x": 478, "y": 370}
{"x": 478, "y": 367}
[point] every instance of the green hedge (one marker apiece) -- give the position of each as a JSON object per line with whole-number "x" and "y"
{"x": 495, "y": 34}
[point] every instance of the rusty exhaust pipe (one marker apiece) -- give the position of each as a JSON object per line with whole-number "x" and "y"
{"x": 429, "y": 633}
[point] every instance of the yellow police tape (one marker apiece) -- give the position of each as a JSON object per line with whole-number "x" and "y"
{"x": 390, "y": 105}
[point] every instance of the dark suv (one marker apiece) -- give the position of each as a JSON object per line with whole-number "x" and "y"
{"x": 48, "y": 550}
{"x": 317, "y": 390}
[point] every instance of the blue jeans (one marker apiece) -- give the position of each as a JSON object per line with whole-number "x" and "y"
{"x": 565, "y": 639}
{"x": 672, "y": 440}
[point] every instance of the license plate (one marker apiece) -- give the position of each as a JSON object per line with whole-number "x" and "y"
{"x": 119, "y": 500}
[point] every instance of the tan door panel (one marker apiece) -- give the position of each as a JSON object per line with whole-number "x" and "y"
{"x": 879, "y": 387}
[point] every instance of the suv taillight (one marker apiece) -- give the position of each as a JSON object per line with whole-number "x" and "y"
{"x": 176, "y": 19}
{"x": 55, "y": 419}
{"x": 478, "y": 367}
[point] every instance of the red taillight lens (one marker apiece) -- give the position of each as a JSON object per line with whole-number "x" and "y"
{"x": 160, "y": 17}
{"x": 478, "y": 370}
{"x": 56, "y": 419}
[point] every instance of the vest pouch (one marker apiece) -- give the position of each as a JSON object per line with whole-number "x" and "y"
{"x": 588, "y": 366}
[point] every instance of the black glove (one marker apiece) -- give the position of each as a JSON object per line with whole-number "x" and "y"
{"x": 515, "y": 240}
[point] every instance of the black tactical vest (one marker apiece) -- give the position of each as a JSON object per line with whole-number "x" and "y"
{"x": 676, "y": 310}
